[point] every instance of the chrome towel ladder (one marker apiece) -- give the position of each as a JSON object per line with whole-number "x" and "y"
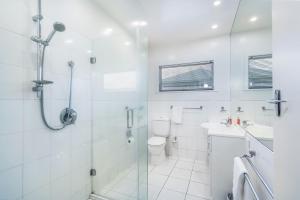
{"x": 247, "y": 179}
{"x": 259, "y": 175}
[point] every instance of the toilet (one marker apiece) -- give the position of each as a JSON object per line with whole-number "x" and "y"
{"x": 157, "y": 143}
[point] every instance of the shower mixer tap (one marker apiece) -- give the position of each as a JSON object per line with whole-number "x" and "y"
{"x": 68, "y": 115}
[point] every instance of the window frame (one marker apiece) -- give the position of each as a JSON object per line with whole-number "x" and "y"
{"x": 161, "y": 67}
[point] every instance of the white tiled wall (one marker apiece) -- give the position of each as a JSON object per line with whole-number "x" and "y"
{"x": 37, "y": 163}
{"x": 217, "y": 49}
{"x": 191, "y": 140}
{"x": 34, "y": 160}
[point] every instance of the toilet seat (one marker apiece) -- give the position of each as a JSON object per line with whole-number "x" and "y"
{"x": 156, "y": 141}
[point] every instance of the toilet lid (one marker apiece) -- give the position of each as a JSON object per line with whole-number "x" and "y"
{"x": 157, "y": 141}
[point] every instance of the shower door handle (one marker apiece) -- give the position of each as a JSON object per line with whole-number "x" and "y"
{"x": 273, "y": 101}
{"x": 130, "y": 117}
{"x": 277, "y": 101}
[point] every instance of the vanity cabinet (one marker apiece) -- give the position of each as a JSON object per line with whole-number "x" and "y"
{"x": 221, "y": 153}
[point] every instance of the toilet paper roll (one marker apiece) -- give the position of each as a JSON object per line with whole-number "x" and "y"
{"x": 130, "y": 140}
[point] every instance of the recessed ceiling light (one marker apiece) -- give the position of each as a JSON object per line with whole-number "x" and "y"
{"x": 217, "y": 3}
{"x": 108, "y": 31}
{"x": 89, "y": 51}
{"x": 253, "y": 19}
{"x": 143, "y": 23}
{"x": 139, "y": 23}
{"x": 127, "y": 43}
{"x": 135, "y": 23}
{"x": 215, "y": 26}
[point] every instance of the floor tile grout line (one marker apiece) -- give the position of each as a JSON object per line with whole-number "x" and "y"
{"x": 177, "y": 178}
{"x": 166, "y": 179}
{"x": 169, "y": 176}
{"x": 189, "y": 181}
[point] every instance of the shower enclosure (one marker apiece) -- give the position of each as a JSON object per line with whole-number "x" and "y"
{"x": 96, "y": 65}
{"x": 119, "y": 109}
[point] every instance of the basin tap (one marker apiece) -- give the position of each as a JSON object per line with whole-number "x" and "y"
{"x": 246, "y": 123}
{"x": 226, "y": 122}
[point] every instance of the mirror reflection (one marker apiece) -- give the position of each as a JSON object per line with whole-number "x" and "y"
{"x": 260, "y": 72}
{"x": 251, "y": 69}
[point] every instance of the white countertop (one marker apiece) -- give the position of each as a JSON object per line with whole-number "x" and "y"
{"x": 261, "y": 131}
{"x": 218, "y": 129}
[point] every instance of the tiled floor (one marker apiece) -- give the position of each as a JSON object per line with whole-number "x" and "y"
{"x": 179, "y": 180}
{"x": 122, "y": 187}
{"x": 172, "y": 180}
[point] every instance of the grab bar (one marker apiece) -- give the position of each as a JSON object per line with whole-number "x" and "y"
{"x": 247, "y": 178}
{"x": 247, "y": 157}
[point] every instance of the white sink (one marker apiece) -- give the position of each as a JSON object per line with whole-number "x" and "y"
{"x": 219, "y": 129}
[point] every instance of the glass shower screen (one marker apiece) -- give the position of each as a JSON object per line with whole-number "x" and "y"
{"x": 119, "y": 110}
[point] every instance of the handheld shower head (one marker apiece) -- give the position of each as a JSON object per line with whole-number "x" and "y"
{"x": 57, "y": 26}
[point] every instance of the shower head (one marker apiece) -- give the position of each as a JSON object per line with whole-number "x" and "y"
{"x": 57, "y": 26}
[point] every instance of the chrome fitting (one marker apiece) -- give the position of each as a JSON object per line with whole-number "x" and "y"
{"x": 37, "y": 18}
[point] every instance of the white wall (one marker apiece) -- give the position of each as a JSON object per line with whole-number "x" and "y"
{"x": 191, "y": 142}
{"x": 37, "y": 163}
{"x": 286, "y": 45}
{"x": 230, "y": 85}
{"x": 217, "y": 49}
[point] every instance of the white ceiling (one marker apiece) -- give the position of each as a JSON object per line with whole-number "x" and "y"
{"x": 182, "y": 20}
{"x": 171, "y": 21}
{"x": 262, "y": 9}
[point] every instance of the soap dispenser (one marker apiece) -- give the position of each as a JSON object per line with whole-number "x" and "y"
{"x": 229, "y": 121}
{"x": 238, "y": 121}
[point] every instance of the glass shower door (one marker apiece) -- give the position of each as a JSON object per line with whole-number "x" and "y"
{"x": 119, "y": 98}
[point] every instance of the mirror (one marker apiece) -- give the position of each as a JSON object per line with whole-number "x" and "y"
{"x": 251, "y": 69}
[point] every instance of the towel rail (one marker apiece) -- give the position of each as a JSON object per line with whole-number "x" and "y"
{"x": 247, "y": 179}
{"x": 247, "y": 157}
{"x": 190, "y": 108}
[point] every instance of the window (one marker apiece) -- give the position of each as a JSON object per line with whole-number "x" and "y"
{"x": 260, "y": 72}
{"x": 120, "y": 81}
{"x": 187, "y": 77}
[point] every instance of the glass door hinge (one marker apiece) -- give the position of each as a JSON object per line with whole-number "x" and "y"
{"x": 93, "y": 172}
